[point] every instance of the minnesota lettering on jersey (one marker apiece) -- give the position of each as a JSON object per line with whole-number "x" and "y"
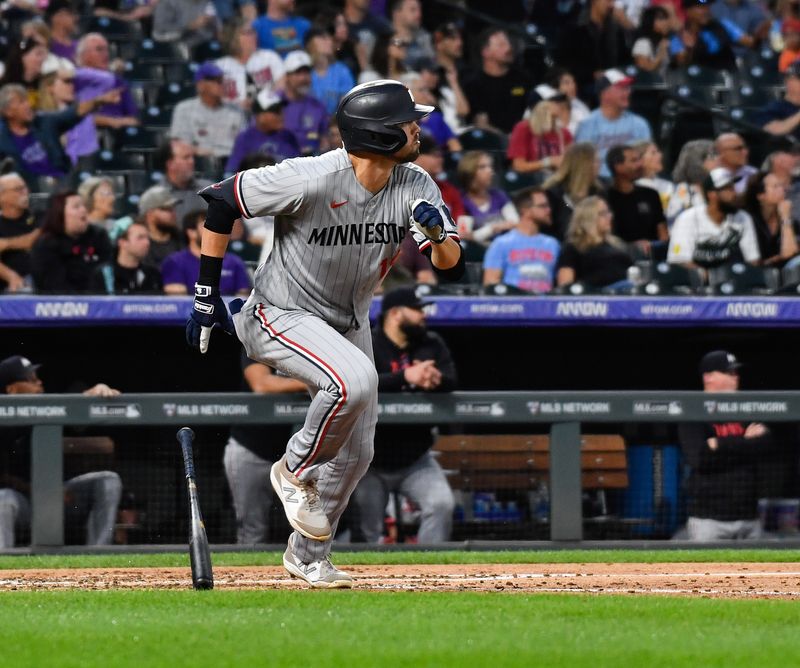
{"x": 352, "y": 234}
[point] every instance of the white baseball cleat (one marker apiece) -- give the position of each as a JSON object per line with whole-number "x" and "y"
{"x": 300, "y": 502}
{"x": 320, "y": 574}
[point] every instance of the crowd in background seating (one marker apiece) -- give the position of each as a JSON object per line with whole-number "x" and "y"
{"x": 116, "y": 113}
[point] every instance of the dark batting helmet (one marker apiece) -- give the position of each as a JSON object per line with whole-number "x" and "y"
{"x": 369, "y": 114}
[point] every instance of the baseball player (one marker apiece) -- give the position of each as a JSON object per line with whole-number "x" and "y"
{"x": 340, "y": 219}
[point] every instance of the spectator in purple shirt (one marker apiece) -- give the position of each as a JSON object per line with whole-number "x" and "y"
{"x": 32, "y": 140}
{"x": 266, "y": 135}
{"x": 179, "y": 270}
{"x": 62, "y": 19}
{"x": 94, "y": 77}
{"x": 304, "y": 115}
{"x": 489, "y": 211}
{"x": 57, "y": 92}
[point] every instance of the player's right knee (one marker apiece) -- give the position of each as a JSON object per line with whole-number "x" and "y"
{"x": 363, "y": 388}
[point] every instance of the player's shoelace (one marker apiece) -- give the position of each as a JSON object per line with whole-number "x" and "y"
{"x": 311, "y": 495}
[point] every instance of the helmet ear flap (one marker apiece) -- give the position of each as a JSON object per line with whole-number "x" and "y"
{"x": 384, "y": 141}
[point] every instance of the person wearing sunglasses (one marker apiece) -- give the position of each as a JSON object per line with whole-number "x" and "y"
{"x": 387, "y": 61}
{"x": 733, "y": 156}
{"x": 57, "y": 91}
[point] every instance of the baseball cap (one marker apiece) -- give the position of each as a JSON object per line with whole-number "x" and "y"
{"x": 15, "y": 369}
{"x": 266, "y": 100}
{"x": 156, "y": 197}
{"x": 612, "y": 78}
{"x": 790, "y": 25}
{"x": 719, "y": 360}
{"x": 543, "y": 93}
{"x": 296, "y": 60}
{"x": 55, "y": 6}
{"x": 718, "y": 178}
{"x": 448, "y": 29}
{"x": 406, "y": 296}
{"x": 53, "y": 64}
{"x": 208, "y": 70}
{"x": 688, "y": 4}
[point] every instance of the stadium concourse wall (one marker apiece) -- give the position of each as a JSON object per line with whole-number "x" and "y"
{"x": 562, "y": 412}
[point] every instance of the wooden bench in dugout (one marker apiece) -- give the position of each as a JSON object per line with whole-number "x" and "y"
{"x": 492, "y": 463}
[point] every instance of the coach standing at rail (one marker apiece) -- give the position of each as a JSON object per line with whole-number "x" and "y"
{"x": 724, "y": 459}
{"x": 340, "y": 219}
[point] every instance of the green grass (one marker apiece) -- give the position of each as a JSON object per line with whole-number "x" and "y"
{"x": 368, "y": 558}
{"x": 355, "y": 629}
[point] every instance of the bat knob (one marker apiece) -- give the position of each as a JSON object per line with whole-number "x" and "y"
{"x": 203, "y": 583}
{"x": 185, "y": 430}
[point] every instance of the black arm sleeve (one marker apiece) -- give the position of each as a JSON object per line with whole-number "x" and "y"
{"x": 454, "y": 273}
{"x": 223, "y": 209}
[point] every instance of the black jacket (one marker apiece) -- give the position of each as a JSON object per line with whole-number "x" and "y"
{"x": 123, "y": 281}
{"x": 65, "y": 264}
{"x": 724, "y": 483}
{"x": 399, "y": 446}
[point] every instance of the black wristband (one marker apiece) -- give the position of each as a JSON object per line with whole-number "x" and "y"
{"x": 210, "y": 271}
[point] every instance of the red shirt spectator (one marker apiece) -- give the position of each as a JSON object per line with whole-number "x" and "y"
{"x": 537, "y": 143}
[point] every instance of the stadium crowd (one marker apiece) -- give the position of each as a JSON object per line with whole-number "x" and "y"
{"x": 547, "y": 143}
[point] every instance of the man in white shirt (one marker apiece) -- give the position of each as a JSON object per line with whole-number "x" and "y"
{"x": 206, "y": 122}
{"x": 248, "y": 70}
{"x": 720, "y": 219}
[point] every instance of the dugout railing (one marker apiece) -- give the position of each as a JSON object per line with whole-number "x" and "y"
{"x": 564, "y": 412}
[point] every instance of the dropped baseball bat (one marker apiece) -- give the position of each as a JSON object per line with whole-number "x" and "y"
{"x": 199, "y": 553}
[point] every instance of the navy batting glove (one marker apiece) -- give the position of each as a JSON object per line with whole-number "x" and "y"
{"x": 428, "y": 220}
{"x": 208, "y": 311}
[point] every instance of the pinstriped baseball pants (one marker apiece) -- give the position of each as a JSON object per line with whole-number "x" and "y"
{"x": 335, "y": 444}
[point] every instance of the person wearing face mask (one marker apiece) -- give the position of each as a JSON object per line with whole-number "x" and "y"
{"x": 409, "y": 358}
{"x": 69, "y": 248}
{"x": 717, "y": 232}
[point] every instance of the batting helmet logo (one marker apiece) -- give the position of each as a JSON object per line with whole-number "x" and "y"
{"x": 369, "y": 114}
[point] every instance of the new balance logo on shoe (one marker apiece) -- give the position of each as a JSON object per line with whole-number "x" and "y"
{"x": 308, "y": 569}
{"x": 300, "y": 502}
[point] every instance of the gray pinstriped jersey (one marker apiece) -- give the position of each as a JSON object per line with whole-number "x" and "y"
{"x": 334, "y": 240}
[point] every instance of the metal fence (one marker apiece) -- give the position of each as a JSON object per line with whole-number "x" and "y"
{"x": 565, "y": 412}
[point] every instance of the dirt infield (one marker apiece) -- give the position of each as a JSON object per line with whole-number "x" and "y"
{"x": 723, "y": 580}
